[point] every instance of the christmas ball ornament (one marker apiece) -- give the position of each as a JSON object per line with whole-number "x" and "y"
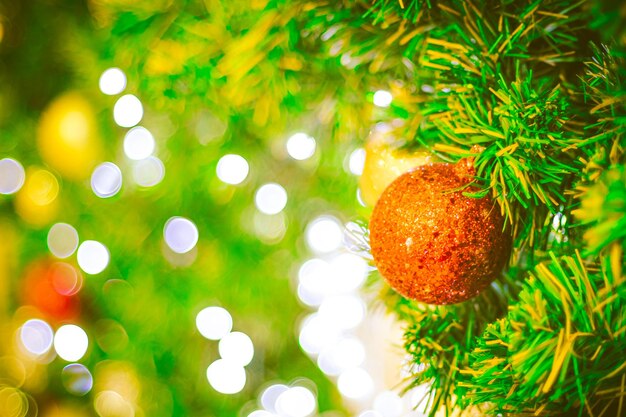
{"x": 433, "y": 244}
{"x": 67, "y": 137}
{"x": 383, "y": 164}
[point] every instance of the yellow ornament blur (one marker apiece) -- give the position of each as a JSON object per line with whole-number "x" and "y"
{"x": 383, "y": 164}
{"x": 36, "y": 202}
{"x": 67, "y": 137}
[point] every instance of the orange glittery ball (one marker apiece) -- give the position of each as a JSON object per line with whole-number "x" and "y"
{"x": 431, "y": 243}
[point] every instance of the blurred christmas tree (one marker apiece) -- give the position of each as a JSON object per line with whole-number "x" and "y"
{"x": 177, "y": 171}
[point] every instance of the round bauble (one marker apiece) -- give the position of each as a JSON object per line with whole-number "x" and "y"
{"x": 383, "y": 164}
{"x": 67, "y": 136}
{"x": 433, "y": 244}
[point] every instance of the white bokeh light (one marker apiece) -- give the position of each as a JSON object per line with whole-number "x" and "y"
{"x": 128, "y": 111}
{"x": 12, "y": 176}
{"x": 148, "y": 172}
{"x": 301, "y": 146}
{"x": 112, "y": 81}
{"x": 270, "y": 395}
{"x": 261, "y": 413}
{"x": 348, "y": 311}
{"x": 237, "y": 347}
{"x": 214, "y": 322}
{"x": 296, "y": 402}
{"x": 36, "y": 337}
{"x": 318, "y": 333}
{"x": 93, "y": 257}
{"x": 270, "y": 198}
{"x": 71, "y": 342}
{"x": 382, "y": 98}
{"x": 356, "y": 162}
{"x": 138, "y": 143}
{"x": 181, "y": 234}
{"x": 389, "y": 404}
{"x": 371, "y": 413}
{"x": 348, "y": 353}
{"x": 355, "y": 383}
{"x": 226, "y": 377}
{"x": 232, "y": 169}
{"x": 62, "y": 240}
{"x": 324, "y": 234}
{"x": 349, "y": 272}
{"x": 106, "y": 180}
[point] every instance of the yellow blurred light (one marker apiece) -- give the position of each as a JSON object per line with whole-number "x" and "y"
{"x": 13, "y": 402}
{"x": 383, "y": 164}
{"x": 12, "y": 371}
{"x": 118, "y": 377}
{"x": 112, "y": 404}
{"x": 67, "y": 136}
{"x": 37, "y": 202}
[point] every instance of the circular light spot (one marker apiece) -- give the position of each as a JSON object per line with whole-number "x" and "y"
{"x": 389, "y": 404}
{"x": 13, "y": 402}
{"x": 71, "y": 342}
{"x": 138, "y": 143}
{"x": 349, "y": 272}
{"x": 93, "y": 257}
{"x": 214, "y": 322}
{"x": 382, "y": 98}
{"x": 270, "y": 395}
{"x": 324, "y": 234}
{"x": 112, "y": 81}
{"x": 370, "y": 413}
{"x": 106, "y": 180}
{"x": 226, "y": 377}
{"x": 355, "y": 383}
{"x": 347, "y": 353}
{"x": 270, "y": 228}
{"x": 301, "y": 146}
{"x": 62, "y": 240}
{"x": 112, "y": 404}
{"x": 347, "y": 311}
{"x": 36, "y": 337}
{"x": 65, "y": 279}
{"x": 12, "y": 176}
{"x": 236, "y": 347}
{"x": 232, "y": 169}
{"x": 318, "y": 333}
{"x": 77, "y": 379}
{"x": 148, "y": 172}
{"x": 357, "y": 161}
{"x": 42, "y": 187}
{"x": 296, "y": 402}
{"x": 128, "y": 111}
{"x": 261, "y": 413}
{"x": 271, "y": 198}
{"x": 180, "y": 234}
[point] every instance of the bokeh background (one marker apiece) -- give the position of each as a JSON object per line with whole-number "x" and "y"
{"x": 180, "y": 228}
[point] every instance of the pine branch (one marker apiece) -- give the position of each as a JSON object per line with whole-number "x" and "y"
{"x": 560, "y": 347}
